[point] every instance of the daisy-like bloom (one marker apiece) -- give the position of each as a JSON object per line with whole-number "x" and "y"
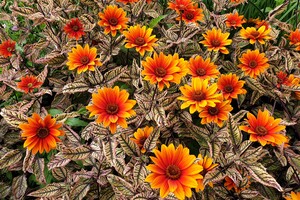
{"x": 112, "y": 107}
{"x": 215, "y": 40}
{"x": 230, "y": 86}
{"x": 229, "y": 184}
{"x": 264, "y": 128}
{"x": 253, "y": 35}
{"x": 207, "y": 164}
{"x": 140, "y": 136}
{"x": 113, "y": 19}
{"x": 83, "y": 59}
{"x": 140, "y": 38}
{"x": 217, "y": 114}
{"x": 293, "y": 196}
{"x": 203, "y": 69}
{"x": 260, "y": 23}
{"x": 284, "y": 79}
{"x": 183, "y": 66}
{"x": 234, "y": 20}
{"x": 7, "y": 48}
{"x": 181, "y": 5}
{"x": 127, "y": 1}
{"x": 161, "y": 69}
{"x": 28, "y": 83}
{"x": 74, "y": 29}
{"x": 253, "y": 63}
{"x": 41, "y": 134}
{"x": 294, "y": 38}
{"x": 199, "y": 95}
{"x": 192, "y": 15}
{"x": 174, "y": 171}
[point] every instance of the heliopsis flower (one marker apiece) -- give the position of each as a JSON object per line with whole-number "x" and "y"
{"x": 140, "y": 136}
{"x": 293, "y": 196}
{"x": 215, "y": 40}
{"x": 252, "y": 34}
{"x": 7, "y": 48}
{"x": 181, "y": 5}
{"x": 199, "y": 95}
{"x": 259, "y": 23}
{"x": 207, "y": 164}
{"x": 294, "y": 38}
{"x": 203, "y": 68}
{"x": 229, "y": 184}
{"x": 284, "y": 79}
{"x": 28, "y": 83}
{"x": 83, "y": 59}
{"x": 234, "y": 20}
{"x": 264, "y": 128}
{"x": 127, "y": 1}
{"x": 192, "y": 15}
{"x": 183, "y": 66}
{"x": 161, "y": 69}
{"x": 217, "y": 114}
{"x": 41, "y": 134}
{"x": 174, "y": 171}
{"x": 230, "y": 86}
{"x": 113, "y": 19}
{"x": 74, "y": 29}
{"x": 253, "y": 63}
{"x": 140, "y": 38}
{"x": 111, "y": 106}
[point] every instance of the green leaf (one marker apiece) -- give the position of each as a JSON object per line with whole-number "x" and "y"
{"x": 54, "y": 111}
{"x": 76, "y": 122}
{"x": 156, "y": 20}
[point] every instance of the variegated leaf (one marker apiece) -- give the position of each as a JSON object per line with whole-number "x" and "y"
{"x": 80, "y": 189}
{"x": 51, "y": 190}
{"x": 151, "y": 141}
{"x": 19, "y": 186}
{"x": 129, "y": 147}
{"x": 78, "y": 153}
{"x": 10, "y": 158}
{"x": 121, "y": 186}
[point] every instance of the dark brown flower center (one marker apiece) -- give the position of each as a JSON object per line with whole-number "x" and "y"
{"x": 142, "y": 140}
{"x": 215, "y": 43}
{"x": 213, "y": 111}
{"x": 233, "y": 22}
{"x": 29, "y": 85}
{"x": 255, "y": 34}
{"x": 139, "y": 41}
{"x": 113, "y": 21}
{"x": 42, "y": 133}
{"x": 112, "y": 109}
{"x": 75, "y": 28}
{"x": 160, "y": 72}
{"x": 228, "y": 89}
{"x": 198, "y": 96}
{"x": 189, "y": 16}
{"x": 261, "y": 131}
{"x": 181, "y": 8}
{"x": 173, "y": 172}
{"x": 201, "y": 72}
{"x": 84, "y": 60}
{"x": 10, "y": 49}
{"x": 252, "y": 64}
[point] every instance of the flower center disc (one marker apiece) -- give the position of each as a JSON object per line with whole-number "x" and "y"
{"x": 113, "y": 21}
{"x": 84, "y": 60}
{"x": 261, "y": 131}
{"x": 233, "y": 22}
{"x": 9, "y": 49}
{"x": 213, "y": 110}
{"x": 142, "y": 140}
{"x": 215, "y": 43}
{"x": 160, "y": 72}
{"x": 255, "y": 33}
{"x": 42, "y": 133}
{"x": 139, "y": 41}
{"x": 112, "y": 109}
{"x": 173, "y": 172}
{"x": 198, "y": 96}
{"x": 75, "y": 28}
{"x": 252, "y": 64}
{"x": 29, "y": 85}
{"x": 201, "y": 72}
{"x": 228, "y": 89}
{"x": 189, "y": 16}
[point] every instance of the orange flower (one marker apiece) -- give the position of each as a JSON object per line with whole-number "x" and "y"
{"x": 284, "y": 79}
{"x": 140, "y": 38}
{"x": 41, "y": 134}
{"x": 162, "y": 69}
{"x": 111, "y": 106}
{"x": 234, "y": 20}
{"x": 7, "y": 48}
{"x": 74, "y": 29}
{"x": 215, "y": 40}
{"x": 181, "y": 5}
{"x": 199, "y": 95}
{"x": 253, "y": 35}
{"x": 203, "y": 68}
{"x": 264, "y": 128}
{"x": 28, "y": 83}
{"x": 207, "y": 164}
{"x": 83, "y": 59}
{"x": 260, "y": 23}
{"x": 230, "y": 86}
{"x": 113, "y": 19}
{"x": 295, "y": 39}
{"x": 237, "y": 2}
{"x": 229, "y": 184}
{"x": 192, "y": 15}
{"x": 173, "y": 171}
{"x": 293, "y": 196}
{"x": 217, "y": 114}
{"x": 140, "y": 136}
{"x": 127, "y": 1}
{"x": 253, "y": 63}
